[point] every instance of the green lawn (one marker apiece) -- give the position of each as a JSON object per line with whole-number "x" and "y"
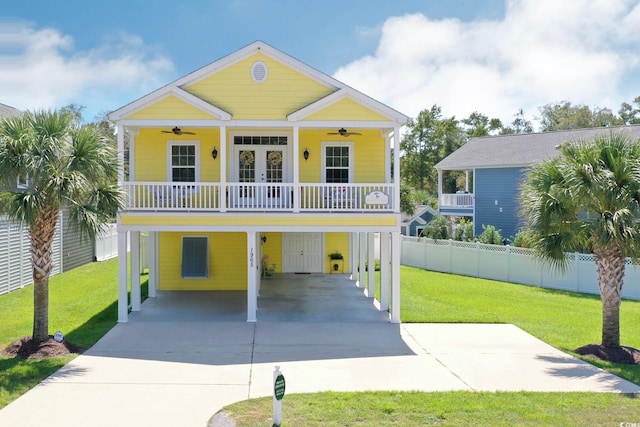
{"x": 409, "y": 409}
{"x": 82, "y": 304}
{"x": 565, "y": 320}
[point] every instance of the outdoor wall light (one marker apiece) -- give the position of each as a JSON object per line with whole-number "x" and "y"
{"x": 264, "y": 239}
{"x": 214, "y": 153}
{"x": 306, "y": 154}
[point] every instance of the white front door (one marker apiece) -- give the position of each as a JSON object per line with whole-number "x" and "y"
{"x": 302, "y": 253}
{"x": 260, "y": 165}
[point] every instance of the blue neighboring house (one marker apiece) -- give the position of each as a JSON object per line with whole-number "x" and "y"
{"x": 421, "y": 217}
{"x": 495, "y": 167}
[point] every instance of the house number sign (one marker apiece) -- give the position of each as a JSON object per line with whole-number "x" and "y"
{"x": 251, "y": 256}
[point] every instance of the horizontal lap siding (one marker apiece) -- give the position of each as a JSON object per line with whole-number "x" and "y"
{"x": 78, "y": 250}
{"x": 227, "y": 262}
{"x": 346, "y": 108}
{"x": 337, "y": 242}
{"x": 172, "y": 108}
{"x": 284, "y": 91}
{"x": 503, "y": 185}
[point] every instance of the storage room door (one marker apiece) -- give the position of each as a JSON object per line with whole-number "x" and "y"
{"x": 302, "y": 253}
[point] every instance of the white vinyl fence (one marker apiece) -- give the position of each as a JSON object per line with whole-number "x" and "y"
{"x": 106, "y": 246}
{"x": 15, "y": 255}
{"x": 510, "y": 264}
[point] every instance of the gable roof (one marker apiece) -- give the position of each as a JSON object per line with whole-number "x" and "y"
{"x": 8, "y": 111}
{"x": 521, "y": 150}
{"x": 179, "y": 87}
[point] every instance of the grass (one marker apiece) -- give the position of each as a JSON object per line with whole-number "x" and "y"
{"x": 410, "y": 409}
{"x": 565, "y": 320}
{"x": 82, "y": 304}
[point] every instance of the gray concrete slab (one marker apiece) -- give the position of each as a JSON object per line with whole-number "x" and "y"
{"x": 180, "y": 360}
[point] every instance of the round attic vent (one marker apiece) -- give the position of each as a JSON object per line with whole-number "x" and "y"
{"x": 259, "y": 72}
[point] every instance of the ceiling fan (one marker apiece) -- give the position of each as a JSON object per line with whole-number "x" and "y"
{"x": 177, "y": 131}
{"x": 343, "y": 132}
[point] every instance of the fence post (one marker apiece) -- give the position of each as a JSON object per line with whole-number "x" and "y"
{"x": 576, "y": 265}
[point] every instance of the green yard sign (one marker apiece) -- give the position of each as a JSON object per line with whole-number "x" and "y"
{"x": 278, "y": 387}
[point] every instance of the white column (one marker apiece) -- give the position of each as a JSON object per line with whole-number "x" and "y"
{"x": 296, "y": 169}
{"x": 466, "y": 181}
{"x": 384, "y": 271}
{"x": 252, "y": 288}
{"x": 152, "y": 253}
{"x": 132, "y": 154}
{"x": 120, "y": 155}
{"x": 136, "y": 297}
{"x": 371, "y": 265}
{"x": 362, "y": 259}
{"x": 123, "y": 303}
{"x": 396, "y": 168}
{"x": 440, "y": 198}
{"x": 223, "y": 168}
{"x": 395, "y": 277}
{"x": 355, "y": 255}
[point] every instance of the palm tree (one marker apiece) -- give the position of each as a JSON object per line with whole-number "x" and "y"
{"x": 64, "y": 167}
{"x": 588, "y": 199}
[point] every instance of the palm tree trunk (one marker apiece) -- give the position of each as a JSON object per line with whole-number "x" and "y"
{"x": 42, "y": 232}
{"x": 610, "y": 263}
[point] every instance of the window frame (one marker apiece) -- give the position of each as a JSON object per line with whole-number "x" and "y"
{"x": 22, "y": 183}
{"x": 349, "y": 145}
{"x": 173, "y": 143}
{"x": 206, "y": 258}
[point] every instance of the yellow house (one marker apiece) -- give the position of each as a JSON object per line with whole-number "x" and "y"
{"x": 258, "y": 164}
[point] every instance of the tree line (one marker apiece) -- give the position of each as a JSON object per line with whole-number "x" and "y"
{"x": 430, "y": 137}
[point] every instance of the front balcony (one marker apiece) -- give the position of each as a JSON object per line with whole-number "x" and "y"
{"x": 457, "y": 204}
{"x": 261, "y": 197}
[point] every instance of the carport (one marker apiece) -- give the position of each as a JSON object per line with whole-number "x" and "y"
{"x": 282, "y": 298}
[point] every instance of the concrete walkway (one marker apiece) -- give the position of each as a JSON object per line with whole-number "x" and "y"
{"x": 172, "y": 365}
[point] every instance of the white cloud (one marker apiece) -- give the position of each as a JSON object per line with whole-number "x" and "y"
{"x": 542, "y": 51}
{"x": 42, "y": 69}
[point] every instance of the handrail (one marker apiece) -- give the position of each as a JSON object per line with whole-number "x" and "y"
{"x": 264, "y": 197}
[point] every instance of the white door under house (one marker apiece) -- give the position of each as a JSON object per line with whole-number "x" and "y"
{"x": 302, "y": 253}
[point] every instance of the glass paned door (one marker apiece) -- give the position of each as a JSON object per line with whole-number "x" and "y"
{"x": 260, "y": 165}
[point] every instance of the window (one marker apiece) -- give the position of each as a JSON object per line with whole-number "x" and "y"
{"x": 22, "y": 183}
{"x": 337, "y": 163}
{"x": 183, "y": 161}
{"x": 195, "y": 257}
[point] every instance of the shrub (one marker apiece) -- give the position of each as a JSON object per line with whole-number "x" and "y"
{"x": 490, "y": 235}
{"x": 464, "y": 231}
{"x": 523, "y": 239}
{"x": 438, "y": 228}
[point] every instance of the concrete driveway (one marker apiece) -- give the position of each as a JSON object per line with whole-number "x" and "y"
{"x": 178, "y": 361}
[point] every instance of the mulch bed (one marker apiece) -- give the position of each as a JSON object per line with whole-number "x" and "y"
{"x": 624, "y": 355}
{"x": 26, "y": 348}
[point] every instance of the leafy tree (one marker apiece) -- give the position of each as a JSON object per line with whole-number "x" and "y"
{"x": 630, "y": 114}
{"x": 407, "y": 201}
{"x": 429, "y": 139}
{"x": 589, "y": 197}
{"x": 564, "y": 115}
{"x": 65, "y": 166}
{"x": 438, "y": 228}
{"x": 519, "y": 125}
{"x": 490, "y": 235}
{"x": 480, "y": 125}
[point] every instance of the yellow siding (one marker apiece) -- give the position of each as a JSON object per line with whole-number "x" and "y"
{"x": 284, "y": 91}
{"x": 273, "y": 249}
{"x": 346, "y": 109}
{"x": 227, "y": 262}
{"x": 337, "y": 242}
{"x": 368, "y": 151}
{"x": 171, "y": 108}
{"x": 151, "y": 153}
{"x": 381, "y": 220}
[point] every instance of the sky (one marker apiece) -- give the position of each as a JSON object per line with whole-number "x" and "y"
{"x": 491, "y": 56}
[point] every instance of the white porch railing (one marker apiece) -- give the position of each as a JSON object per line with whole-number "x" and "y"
{"x": 458, "y": 200}
{"x": 277, "y": 197}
